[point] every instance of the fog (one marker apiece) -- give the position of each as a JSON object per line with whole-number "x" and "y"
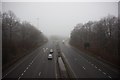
{"x": 59, "y": 18}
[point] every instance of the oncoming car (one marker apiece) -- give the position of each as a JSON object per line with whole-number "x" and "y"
{"x": 51, "y": 51}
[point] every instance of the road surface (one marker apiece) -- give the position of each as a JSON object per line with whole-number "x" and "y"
{"x": 85, "y": 66}
{"x": 36, "y": 64}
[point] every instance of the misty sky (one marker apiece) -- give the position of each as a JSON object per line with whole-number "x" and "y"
{"x": 59, "y": 18}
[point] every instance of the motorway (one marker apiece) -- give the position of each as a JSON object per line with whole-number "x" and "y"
{"x": 85, "y": 66}
{"x": 36, "y": 64}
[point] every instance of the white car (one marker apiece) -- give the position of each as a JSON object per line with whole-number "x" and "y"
{"x": 50, "y": 57}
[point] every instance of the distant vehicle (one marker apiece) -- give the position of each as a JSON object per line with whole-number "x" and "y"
{"x": 50, "y": 57}
{"x": 63, "y": 41}
{"x": 51, "y": 51}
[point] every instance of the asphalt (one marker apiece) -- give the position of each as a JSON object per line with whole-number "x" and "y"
{"x": 85, "y": 66}
{"x": 35, "y": 65}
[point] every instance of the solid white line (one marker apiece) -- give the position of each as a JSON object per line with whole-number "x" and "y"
{"x": 5, "y": 75}
{"x": 99, "y": 69}
{"x": 84, "y": 68}
{"x": 69, "y": 65}
{"x": 39, "y": 73}
{"x": 104, "y": 73}
{"x": 109, "y": 76}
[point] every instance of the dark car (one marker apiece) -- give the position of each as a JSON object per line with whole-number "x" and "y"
{"x": 51, "y": 51}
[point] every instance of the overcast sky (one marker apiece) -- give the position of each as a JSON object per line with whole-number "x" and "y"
{"x": 59, "y": 18}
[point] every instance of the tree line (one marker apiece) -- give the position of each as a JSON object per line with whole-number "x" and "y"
{"x": 101, "y": 38}
{"x": 18, "y": 37}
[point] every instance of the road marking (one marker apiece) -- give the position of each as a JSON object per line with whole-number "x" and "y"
{"x": 99, "y": 69}
{"x": 95, "y": 66}
{"x": 84, "y": 68}
{"x": 104, "y": 73}
{"x": 39, "y": 73}
{"x": 69, "y": 64}
{"x": 19, "y": 78}
{"x": 5, "y": 75}
{"x": 109, "y": 76}
{"x": 25, "y": 70}
{"x": 31, "y": 63}
{"x": 22, "y": 73}
{"x": 44, "y": 49}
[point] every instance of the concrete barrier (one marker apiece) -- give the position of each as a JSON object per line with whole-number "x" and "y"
{"x": 68, "y": 68}
{"x": 62, "y": 68}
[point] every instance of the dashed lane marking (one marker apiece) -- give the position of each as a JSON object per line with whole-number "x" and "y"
{"x": 99, "y": 69}
{"x": 104, "y": 73}
{"x": 22, "y": 73}
{"x": 27, "y": 68}
{"x": 19, "y": 78}
{"x": 84, "y": 68}
{"x": 39, "y": 73}
{"x": 109, "y": 76}
{"x": 24, "y": 70}
{"x": 95, "y": 66}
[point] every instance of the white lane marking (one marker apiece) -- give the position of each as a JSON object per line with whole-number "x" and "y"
{"x": 43, "y": 49}
{"x": 68, "y": 64}
{"x": 109, "y": 76}
{"x": 104, "y": 73}
{"x": 5, "y": 75}
{"x": 19, "y": 78}
{"x": 99, "y": 69}
{"x": 30, "y": 63}
{"x": 84, "y": 68}
{"x": 46, "y": 48}
{"x": 25, "y": 70}
{"x": 95, "y": 66}
{"x": 39, "y": 73}
{"x": 22, "y": 73}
